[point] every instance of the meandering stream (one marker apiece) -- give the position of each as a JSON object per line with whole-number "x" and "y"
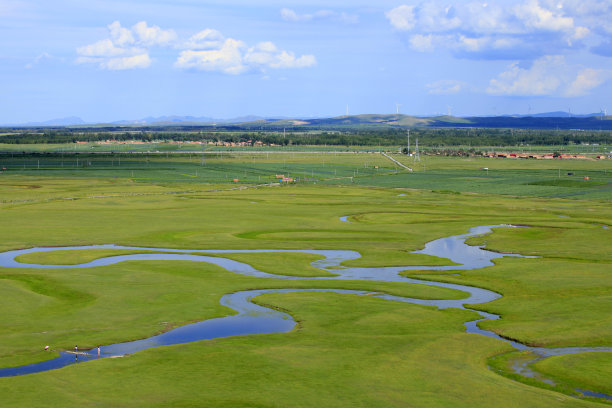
{"x": 255, "y": 319}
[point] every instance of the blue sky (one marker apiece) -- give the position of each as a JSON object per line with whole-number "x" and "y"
{"x": 106, "y": 60}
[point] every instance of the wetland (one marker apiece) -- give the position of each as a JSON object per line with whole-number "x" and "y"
{"x": 381, "y": 293}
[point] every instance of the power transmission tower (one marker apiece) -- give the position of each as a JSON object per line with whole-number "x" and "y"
{"x": 408, "y": 147}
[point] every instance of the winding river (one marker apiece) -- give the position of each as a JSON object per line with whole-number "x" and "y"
{"x": 254, "y": 319}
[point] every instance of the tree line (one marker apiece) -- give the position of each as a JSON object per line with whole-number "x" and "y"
{"x": 431, "y": 137}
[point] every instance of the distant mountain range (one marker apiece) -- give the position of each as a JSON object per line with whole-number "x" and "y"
{"x": 561, "y": 120}
{"x": 559, "y": 114}
{"x": 183, "y": 120}
{"x": 68, "y": 121}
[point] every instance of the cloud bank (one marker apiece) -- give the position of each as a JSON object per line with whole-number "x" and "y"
{"x": 549, "y": 75}
{"x": 504, "y": 29}
{"x": 208, "y": 50}
{"x": 125, "y": 48}
{"x": 536, "y": 34}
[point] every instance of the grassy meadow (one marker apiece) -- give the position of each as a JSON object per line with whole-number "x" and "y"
{"x": 149, "y": 172}
{"x": 347, "y": 350}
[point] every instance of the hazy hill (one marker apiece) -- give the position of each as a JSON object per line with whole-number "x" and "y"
{"x": 68, "y": 121}
{"x": 554, "y": 120}
{"x": 398, "y": 120}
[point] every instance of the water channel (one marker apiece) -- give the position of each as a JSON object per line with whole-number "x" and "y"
{"x": 255, "y": 319}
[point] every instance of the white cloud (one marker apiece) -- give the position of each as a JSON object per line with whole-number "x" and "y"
{"x": 267, "y": 55}
{"x": 262, "y": 54}
{"x": 153, "y": 35}
{"x": 289, "y": 15}
{"x": 292, "y": 16}
{"x": 125, "y": 48}
{"x": 107, "y": 55}
{"x": 445, "y": 87}
{"x": 548, "y": 76}
{"x": 205, "y": 40}
{"x": 541, "y": 79}
{"x": 106, "y": 48}
{"x": 118, "y": 63}
{"x": 581, "y": 7}
{"x": 435, "y": 17}
{"x": 586, "y": 80}
{"x": 402, "y": 17}
{"x": 227, "y": 59}
{"x": 234, "y": 57}
{"x": 422, "y": 42}
{"x": 131, "y": 62}
{"x": 207, "y": 50}
{"x": 594, "y": 14}
{"x": 486, "y": 19}
{"x": 534, "y": 16}
{"x": 120, "y": 36}
{"x": 473, "y": 44}
{"x": 480, "y": 29}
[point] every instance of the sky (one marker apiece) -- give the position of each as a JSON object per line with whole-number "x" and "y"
{"x": 110, "y": 60}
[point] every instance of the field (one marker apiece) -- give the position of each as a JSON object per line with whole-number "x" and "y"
{"x": 543, "y": 178}
{"x": 347, "y": 350}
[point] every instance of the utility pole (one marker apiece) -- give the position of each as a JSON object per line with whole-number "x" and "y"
{"x": 408, "y": 147}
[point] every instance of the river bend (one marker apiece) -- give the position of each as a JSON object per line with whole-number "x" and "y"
{"x": 254, "y": 319}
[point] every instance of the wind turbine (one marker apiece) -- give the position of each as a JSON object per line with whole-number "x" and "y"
{"x": 397, "y": 106}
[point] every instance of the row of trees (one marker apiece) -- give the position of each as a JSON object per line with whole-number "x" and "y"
{"x": 432, "y": 137}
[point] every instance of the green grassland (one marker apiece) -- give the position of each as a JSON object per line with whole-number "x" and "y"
{"x": 349, "y": 351}
{"x": 185, "y": 148}
{"x": 352, "y": 350}
{"x": 162, "y": 147}
{"x": 136, "y": 174}
{"x": 72, "y": 257}
{"x": 289, "y": 264}
{"x": 587, "y": 370}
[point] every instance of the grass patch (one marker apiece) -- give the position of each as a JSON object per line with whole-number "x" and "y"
{"x": 503, "y": 365}
{"x": 134, "y": 300}
{"x": 375, "y": 258}
{"x": 568, "y": 183}
{"x": 283, "y": 263}
{"x": 590, "y": 371}
{"x": 344, "y": 350}
{"x": 73, "y": 257}
{"x": 571, "y": 299}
